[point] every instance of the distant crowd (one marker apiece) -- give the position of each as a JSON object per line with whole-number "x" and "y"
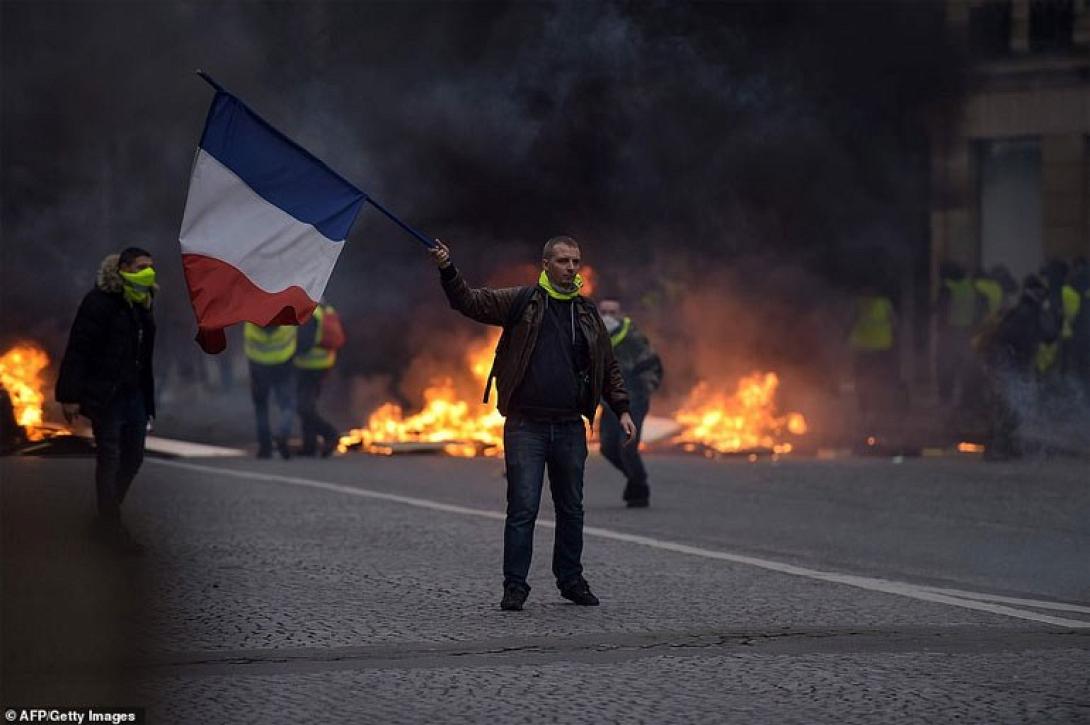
{"x": 1009, "y": 351}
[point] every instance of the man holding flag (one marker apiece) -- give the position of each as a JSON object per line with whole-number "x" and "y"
{"x": 263, "y": 226}
{"x": 553, "y": 364}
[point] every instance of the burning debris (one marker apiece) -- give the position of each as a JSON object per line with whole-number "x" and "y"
{"x": 714, "y": 421}
{"x": 22, "y": 397}
{"x": 21, "y": 376}
{"x": 711, "y": 421}
{"x": 448, "y": 422}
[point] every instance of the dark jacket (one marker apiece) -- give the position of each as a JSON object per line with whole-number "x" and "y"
{"x": 111, "y": 342}
{"x": 640, "y": 364}
{"x": 491, "y": 306}
{"x": 1014, "y": 341}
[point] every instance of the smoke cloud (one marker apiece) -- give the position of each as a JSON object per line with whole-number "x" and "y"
{"x": 732, "y": 170}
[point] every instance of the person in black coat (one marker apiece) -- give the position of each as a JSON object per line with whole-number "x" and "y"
{"x": 106, "y": 376}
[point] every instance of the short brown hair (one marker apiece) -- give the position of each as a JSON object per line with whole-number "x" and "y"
{"x": 547, "y": 252}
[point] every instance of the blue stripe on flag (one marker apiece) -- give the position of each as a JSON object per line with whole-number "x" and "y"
{"x": 278, "y": 169}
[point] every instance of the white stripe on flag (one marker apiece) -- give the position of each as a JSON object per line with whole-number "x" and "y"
{"x": 227, "y": 220}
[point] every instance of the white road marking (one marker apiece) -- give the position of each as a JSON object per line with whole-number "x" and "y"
{"x": 185, "y": 449}
{"x": 951, "y": 597}
{"x": 1035, "y": 603}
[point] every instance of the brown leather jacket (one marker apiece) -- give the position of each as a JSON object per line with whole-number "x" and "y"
{"x": 491, "y": 306}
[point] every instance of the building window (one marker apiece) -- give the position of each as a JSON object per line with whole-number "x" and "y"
{"x": 990, "y": 28}
{"x": 1051, "y": 24}
{"x": 1009, "y": 176}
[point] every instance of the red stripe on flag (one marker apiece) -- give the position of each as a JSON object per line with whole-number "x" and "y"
{"x": 222, "y": 295}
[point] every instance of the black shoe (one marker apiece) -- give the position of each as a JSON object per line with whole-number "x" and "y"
{"x": 282, "y": 448}
{"x": 638, "y": 503}
{"x": 514, "y": 597}
{"x": 329, "y": 447}
{"x": 264, "y": 453}
{"x": 580, "y": 593}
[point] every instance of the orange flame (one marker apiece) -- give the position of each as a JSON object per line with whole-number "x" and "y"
{"x": 20, "y": 375}
{"x": 462, "y": 428}
{"x": 738, "y": 421}
{"x": 967, "y": 447}
{"x": 590, "y": 280}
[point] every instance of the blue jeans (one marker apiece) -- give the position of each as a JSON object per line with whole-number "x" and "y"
{"x": 119, "y": 432}
{"x": 279, "y": 381}
{"x": 530, "y": 447}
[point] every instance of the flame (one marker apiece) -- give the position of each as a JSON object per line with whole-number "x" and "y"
{"x": 464, "y": 429}
{"x": 738, "y": 421}
{"x": 966, "y": 447}
{"x": 590, "y": 280}
{"x": 20, "y": 375}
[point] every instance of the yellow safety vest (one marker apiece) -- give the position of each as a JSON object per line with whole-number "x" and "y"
{"x": 271, "y": 345}
{"x": 1071, "y": 305}
{"x": 1047, "y": 355}
{"x": 962, "y": 308}
{"x": 873, "y": 329}
{"x": 992, "y": 291}
{"x": 317, "y": 357}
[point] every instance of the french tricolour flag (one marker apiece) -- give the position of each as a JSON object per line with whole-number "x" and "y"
{"x": 264, "y": 223}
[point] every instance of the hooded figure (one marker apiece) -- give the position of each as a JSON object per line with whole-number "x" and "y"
{"x": 106, "y": 376}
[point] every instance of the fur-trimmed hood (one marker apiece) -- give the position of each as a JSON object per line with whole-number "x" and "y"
{"x": 108, "y": 278}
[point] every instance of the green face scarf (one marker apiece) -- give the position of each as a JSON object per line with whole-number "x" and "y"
{"x": 547, "y": 285}
{"x": 137, "y": 285}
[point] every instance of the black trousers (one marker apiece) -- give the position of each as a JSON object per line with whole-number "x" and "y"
{"x": 626, "y": 459}
{"x": 119, "y": 433}
{"x": 314, "y": 425}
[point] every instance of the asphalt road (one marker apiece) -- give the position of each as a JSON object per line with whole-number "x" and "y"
{"x": 364, "y": 589}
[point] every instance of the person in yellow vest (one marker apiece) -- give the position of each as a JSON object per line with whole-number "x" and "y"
{"x": 961, "y": 308}
{"x": 991, "y": 290}
{"x": 871, "y": 341}
{"x": 313, "y": 361}
{"x": 1048, "y": 361}
{"x": 1079, "y": 346}
{"x": 1071, "y": 301}
{"x": 270, "y": 351}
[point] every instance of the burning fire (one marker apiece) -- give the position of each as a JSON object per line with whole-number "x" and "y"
{"x": 463, "y": 428}
{"x": 743, "y": 420}
{"x": 20, "y": 375}
{"x": 711, "y": 419}
{"x": 967, "y": 447}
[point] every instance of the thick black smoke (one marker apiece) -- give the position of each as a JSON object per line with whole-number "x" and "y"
{"x": 780, "y": 146}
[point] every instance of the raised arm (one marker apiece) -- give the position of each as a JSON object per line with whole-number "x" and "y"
{"x": 490, "y": 306}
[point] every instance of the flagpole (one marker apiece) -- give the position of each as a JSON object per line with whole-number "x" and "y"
{"x": 208, "y": 79}
{"x": 429, "y": 243}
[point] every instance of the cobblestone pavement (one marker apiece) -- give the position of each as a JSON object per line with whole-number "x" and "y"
{"x": 267, "y": 601}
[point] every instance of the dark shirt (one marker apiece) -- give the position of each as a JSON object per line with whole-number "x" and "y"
{"x": 550, "y": 388}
